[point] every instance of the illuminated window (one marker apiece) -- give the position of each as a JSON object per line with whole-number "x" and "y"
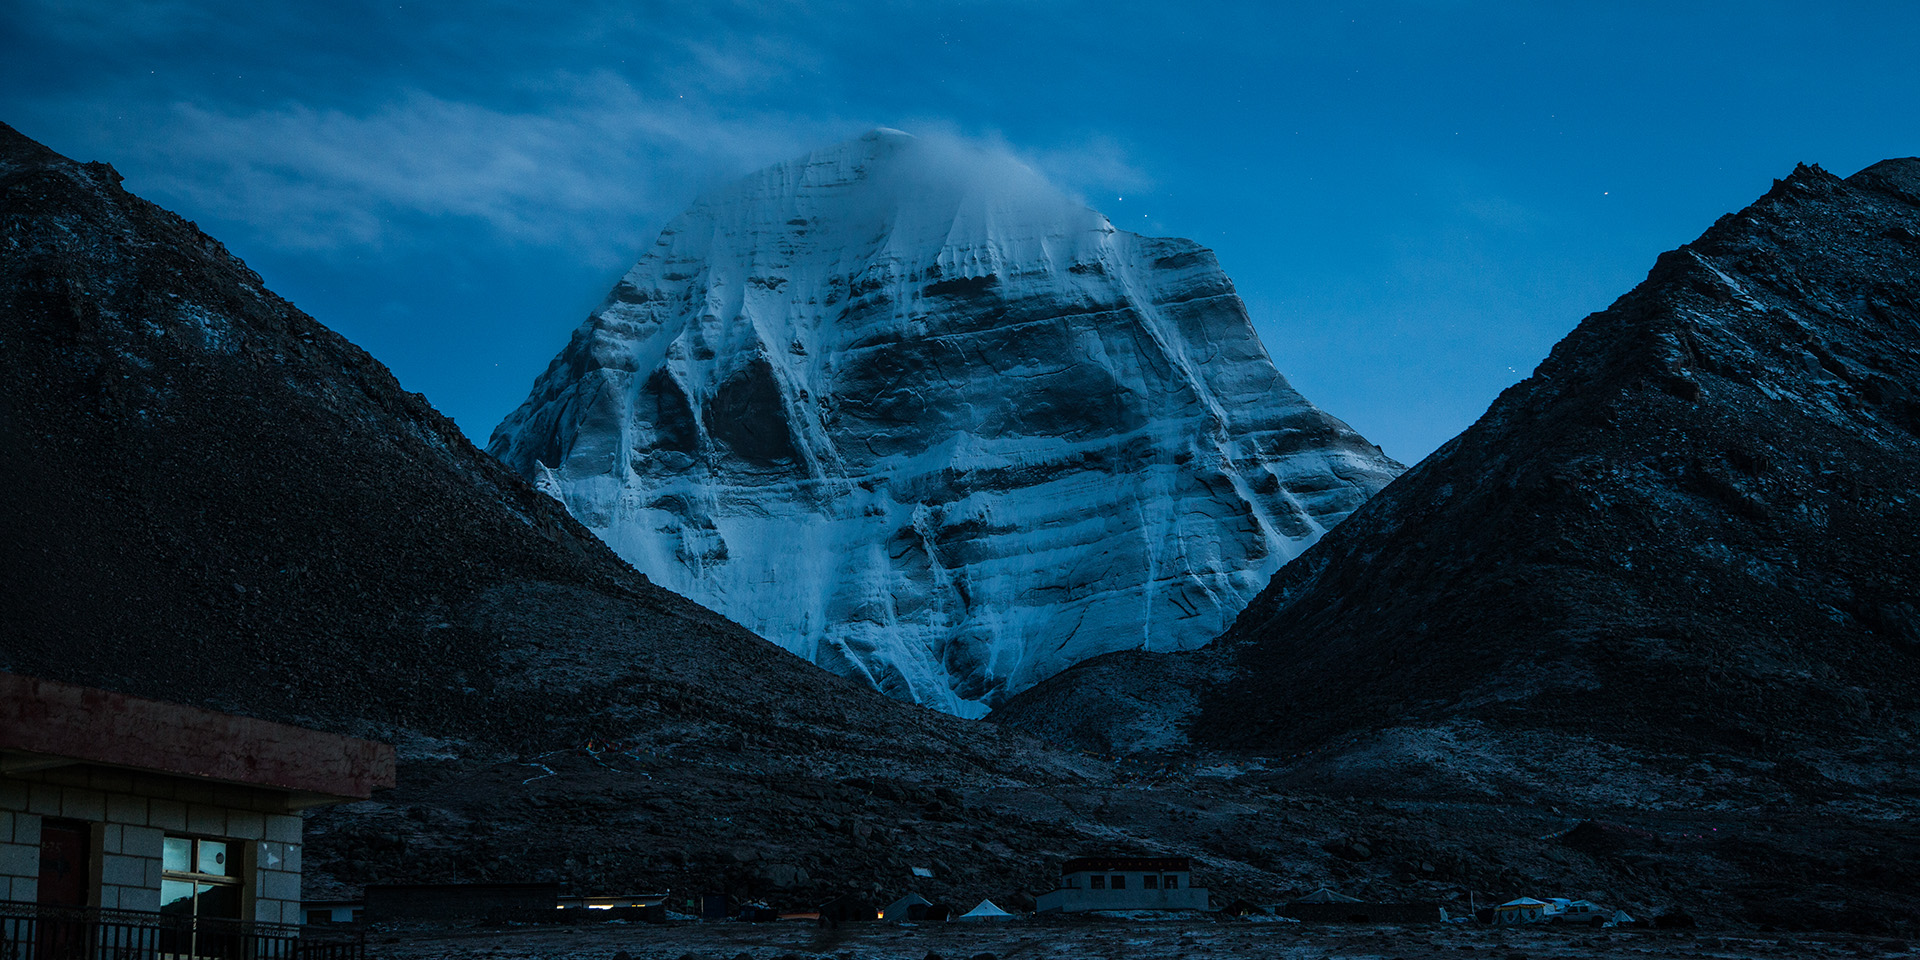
{"x": 200, "y": 880}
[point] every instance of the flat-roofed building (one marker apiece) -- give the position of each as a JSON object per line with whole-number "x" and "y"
{"x": 1124, "y": 883}
{"x": 151, "y": 822}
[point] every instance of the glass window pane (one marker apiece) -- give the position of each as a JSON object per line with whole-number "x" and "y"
{"x": 213, "y": 858}
{"x": 177, "y": 855}
{"x": 219, "y": 900}
{"x": 1119, "y": 881}
{"x": 176, "y": 897}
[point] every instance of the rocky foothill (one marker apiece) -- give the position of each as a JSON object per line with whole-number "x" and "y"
{"x": 1670, "y": 574}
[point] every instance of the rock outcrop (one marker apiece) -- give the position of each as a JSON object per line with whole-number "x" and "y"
{"x": 1667, "y": 580}
{"x": 1689, "y": 534}
{"x": 1693, "y": 527}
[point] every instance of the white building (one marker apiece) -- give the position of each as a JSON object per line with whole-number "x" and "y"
{"x": 158, "y": 827}
{"x": 1124, "y": 883}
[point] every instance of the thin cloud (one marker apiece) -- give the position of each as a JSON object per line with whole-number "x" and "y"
{"x": 1096, "y": 165}
{"x": 573, "y": 175}
{"x": 596, "y": 165}
{"x": 1087, "y": 166}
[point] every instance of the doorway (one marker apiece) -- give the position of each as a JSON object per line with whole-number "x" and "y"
{"x": 66, "y": 856}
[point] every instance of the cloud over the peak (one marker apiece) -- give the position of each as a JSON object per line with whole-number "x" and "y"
{"x": 325, "y": 178}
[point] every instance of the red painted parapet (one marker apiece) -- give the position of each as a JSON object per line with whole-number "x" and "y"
{"x": 99, "y": 726}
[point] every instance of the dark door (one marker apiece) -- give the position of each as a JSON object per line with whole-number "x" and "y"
{"x": 65, "y": 854}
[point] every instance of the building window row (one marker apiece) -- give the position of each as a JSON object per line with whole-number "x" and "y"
{"x": 1118, "y": 881}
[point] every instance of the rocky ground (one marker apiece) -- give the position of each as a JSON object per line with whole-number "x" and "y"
{"x": 1090, "y": 938}
{"x": 796, "y": 831}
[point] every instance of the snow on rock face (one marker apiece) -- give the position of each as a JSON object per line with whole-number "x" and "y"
{"x": 912, "y": 413}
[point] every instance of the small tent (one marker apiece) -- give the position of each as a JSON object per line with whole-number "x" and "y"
{"x": 902, "y": 909}
{"x": 1324, "y": 895}
{"x": 985, "y": 911}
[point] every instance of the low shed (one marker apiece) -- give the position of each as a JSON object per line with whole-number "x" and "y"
{"x": 1124, "y": 883}
{"x": 1325, "y": 906}
{"x": 141, "y": 824}
{"x": 450, "y": 901}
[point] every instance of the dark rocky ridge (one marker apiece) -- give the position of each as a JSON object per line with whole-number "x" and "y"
{"x": 1697, "y": 524}
{"x": 211, "y": 496}
{"x": 1674, "y": 570}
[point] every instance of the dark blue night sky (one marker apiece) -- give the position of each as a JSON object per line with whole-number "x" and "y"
{"x": 1416, "y": 199}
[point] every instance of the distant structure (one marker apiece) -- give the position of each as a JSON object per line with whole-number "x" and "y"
{"x": 144, "y": 825}
{"x": 1124, "y": 883}
{"x": 912, "y": 907}
{"x": 1328, "y": 906}
{"x": 454, "y": 901}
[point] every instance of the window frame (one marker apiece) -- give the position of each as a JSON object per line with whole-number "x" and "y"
{"x": 233, "y": 861}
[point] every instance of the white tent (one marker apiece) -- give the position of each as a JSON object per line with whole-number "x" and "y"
{"x": 985, "y": 911}
{"x": 1324, "y": 895}
{"x": 897, "y": 910}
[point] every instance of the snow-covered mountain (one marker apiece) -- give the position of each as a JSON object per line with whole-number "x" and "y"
{"x": 909, "y": 411}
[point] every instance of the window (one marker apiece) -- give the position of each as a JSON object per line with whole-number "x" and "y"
{"x": 1119, "y": 881}
{"x": 200, "y": 880}
{"x": 1097, "y": 883}
{"x": 1148, "y": 882}
{"x": 1170, "y": 882}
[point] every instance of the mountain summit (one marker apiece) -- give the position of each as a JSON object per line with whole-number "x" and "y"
{"x": 909, "y": 411}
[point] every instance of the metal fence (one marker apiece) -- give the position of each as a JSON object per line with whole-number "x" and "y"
{"x": 30, "y": 931}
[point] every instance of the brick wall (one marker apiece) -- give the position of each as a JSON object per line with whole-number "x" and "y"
{"x": 19, "y": 846}
{"x": 130, "y": 814}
